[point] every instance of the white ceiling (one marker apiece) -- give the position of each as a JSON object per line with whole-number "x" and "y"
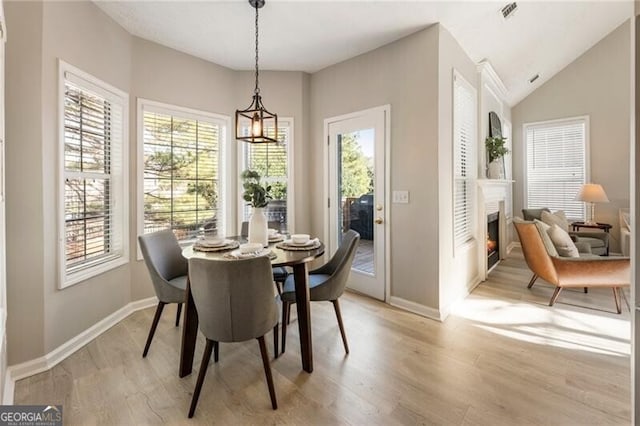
{"x": 541, "y": 37}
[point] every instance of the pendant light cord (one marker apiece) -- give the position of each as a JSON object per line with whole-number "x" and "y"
{"x": 257, "y": 89}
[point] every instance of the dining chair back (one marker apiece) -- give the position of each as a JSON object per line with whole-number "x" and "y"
{"x": 168, "y": 270}
{"x": 234, "y": 301}
{"x": 327, "y": 283}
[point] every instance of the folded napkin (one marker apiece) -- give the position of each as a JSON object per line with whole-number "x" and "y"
{"x": 237, "y": 254}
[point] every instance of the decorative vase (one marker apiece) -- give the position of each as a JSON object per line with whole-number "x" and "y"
{"x": 494, "y": 170}
{"x": 258, "y": 227}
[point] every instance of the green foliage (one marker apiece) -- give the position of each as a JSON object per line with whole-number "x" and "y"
{"x": 254, "y": 193}
{"x": 357, "y": 170}
{"x": 496, "y": 147}
{"x": 279, "y": 191}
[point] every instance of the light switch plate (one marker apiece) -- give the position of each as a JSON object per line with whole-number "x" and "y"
{"x": 400, "y": 197}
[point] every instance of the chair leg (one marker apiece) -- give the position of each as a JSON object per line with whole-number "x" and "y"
{"x": 267, "y": 372}
{"x": 276, "y": 339}
{"x": 178, "y": 314}
{"x": 203, "y": 371}
{"x": 336, "y": 307}
{"x": 533, "y": 279}
{"x": 279, "y": 285}
{"x": 285, "y": 320}
{"x": 289, "y": 314}
{"x": 616, "y": 297}
{"x": 216, "y": 351}
{"x": 555, "y": 295}
{"x": 154, "y": 324}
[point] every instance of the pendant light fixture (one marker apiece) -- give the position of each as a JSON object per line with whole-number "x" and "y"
{"x": 259, "y": 119}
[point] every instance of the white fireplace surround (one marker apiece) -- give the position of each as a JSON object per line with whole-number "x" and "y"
{"x": 492, "y": 197}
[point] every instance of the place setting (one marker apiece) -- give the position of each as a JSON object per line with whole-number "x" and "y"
{"x": 299, "y": 242}
{"x": 250, "y": 250}
{"x": 214, "y": 243}
{"x": 274, "y": 236}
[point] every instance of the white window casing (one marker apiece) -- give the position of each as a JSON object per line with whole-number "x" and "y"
{"x": 93, "y": 225}
{"x": 464, "y": 158}
{"x": 274, "y": 162}
{"x": 556, "y": 159}
{"x": 181, "y": 170}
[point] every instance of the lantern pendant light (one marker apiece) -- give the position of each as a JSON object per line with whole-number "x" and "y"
{"x": 260, "y": 120}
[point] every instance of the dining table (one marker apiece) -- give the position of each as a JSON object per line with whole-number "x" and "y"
{"x": 298, "y": 260}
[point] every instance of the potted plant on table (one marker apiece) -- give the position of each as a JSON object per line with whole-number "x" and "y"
{"x": 257, "y": 196}
{"x": 496, "y": 150}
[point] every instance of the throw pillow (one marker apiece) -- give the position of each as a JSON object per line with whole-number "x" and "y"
{"x": 543, "y": 229}
{"x": 556, "y": 218}
{"x": 563, "y": 242}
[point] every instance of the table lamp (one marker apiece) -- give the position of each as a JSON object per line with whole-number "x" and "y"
{"x": 592, "y": 193}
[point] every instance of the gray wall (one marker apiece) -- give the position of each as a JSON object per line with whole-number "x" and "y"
{"x": 403, "y": 74}
{"x": 458, "y": 270}
{"x": 24, "y": 198}
{"x": 596, "y": 84}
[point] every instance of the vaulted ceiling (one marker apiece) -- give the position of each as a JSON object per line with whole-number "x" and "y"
{"x": 539, "y": 38}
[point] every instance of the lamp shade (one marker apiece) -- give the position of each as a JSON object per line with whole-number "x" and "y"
{"x": 592, "y": 193}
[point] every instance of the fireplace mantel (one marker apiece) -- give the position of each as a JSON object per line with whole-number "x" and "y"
{"x": 492, "y": 192}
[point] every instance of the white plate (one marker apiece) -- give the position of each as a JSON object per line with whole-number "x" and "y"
{"x": 204, "y": 243}
{"x": 308, "y": 243}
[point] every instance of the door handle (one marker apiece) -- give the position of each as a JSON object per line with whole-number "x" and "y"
{"x": 378, "y": 220}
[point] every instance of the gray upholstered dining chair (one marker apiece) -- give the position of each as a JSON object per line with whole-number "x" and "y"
{"x": 168, "y": 269}
{"x": 235, "y": 303}
{"x": 280, "y": 273}
{"x": 326, "y": 283}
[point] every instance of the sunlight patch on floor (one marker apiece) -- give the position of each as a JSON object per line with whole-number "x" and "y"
{"x": 559, "y": 326}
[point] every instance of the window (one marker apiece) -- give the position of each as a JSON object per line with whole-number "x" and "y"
{"x": 273, "y": 162}
{"x": 181, "y": 169}
{"x": 464, "y": 143}
{"x": 94, "y": 207}
{"x": 556, "y": 164}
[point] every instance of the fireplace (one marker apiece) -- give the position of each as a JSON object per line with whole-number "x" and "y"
{"x": 493, "y": 239}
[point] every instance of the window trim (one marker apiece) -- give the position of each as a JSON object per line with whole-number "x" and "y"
{"x": 91, "y": 83}
{"x": 587, "y": 152}
{"x": 290, "y": 178}
{"x": 473, "y": 164}
{"x": 190, "y": 113}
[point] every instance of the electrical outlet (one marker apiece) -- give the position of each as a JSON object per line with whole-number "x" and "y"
{"x": 400, "y": 197}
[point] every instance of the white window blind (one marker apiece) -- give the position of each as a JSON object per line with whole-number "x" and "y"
{"x": 94, "y": 159}
{"x": 464, "y": 143}
{"x": 272, "y": 161}
{"x": 556, "y": 165}
{"x": 182, "y": 178}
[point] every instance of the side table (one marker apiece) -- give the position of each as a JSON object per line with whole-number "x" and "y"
{"x": 604, "y": 226}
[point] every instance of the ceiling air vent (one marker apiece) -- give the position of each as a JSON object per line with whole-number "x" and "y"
{"x": 508, "y": 10}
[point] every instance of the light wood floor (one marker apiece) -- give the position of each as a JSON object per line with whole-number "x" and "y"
{"x": 502, "y": 358}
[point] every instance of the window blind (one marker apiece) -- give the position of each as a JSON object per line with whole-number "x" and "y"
{"x": 181, "y": 181}
{"x": 556, "y": 165}
{"x": 464, "y": 142}
{"x": 93, "y": 176}
{"x": 271, "y": 160}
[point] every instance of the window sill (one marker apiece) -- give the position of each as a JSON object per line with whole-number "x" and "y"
{"x": 83, "y": 275}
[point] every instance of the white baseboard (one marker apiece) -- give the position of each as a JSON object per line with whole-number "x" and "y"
{"x": 50, "y": 360}
{"x": 416, "y": 308}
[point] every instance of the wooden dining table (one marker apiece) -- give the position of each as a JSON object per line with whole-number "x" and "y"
{"x": 298, "y": 260}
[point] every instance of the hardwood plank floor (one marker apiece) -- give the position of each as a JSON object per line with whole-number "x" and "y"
{"x": 503, "y": 357}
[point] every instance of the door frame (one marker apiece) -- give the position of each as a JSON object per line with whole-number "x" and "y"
{"x": 386, "y": 110}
